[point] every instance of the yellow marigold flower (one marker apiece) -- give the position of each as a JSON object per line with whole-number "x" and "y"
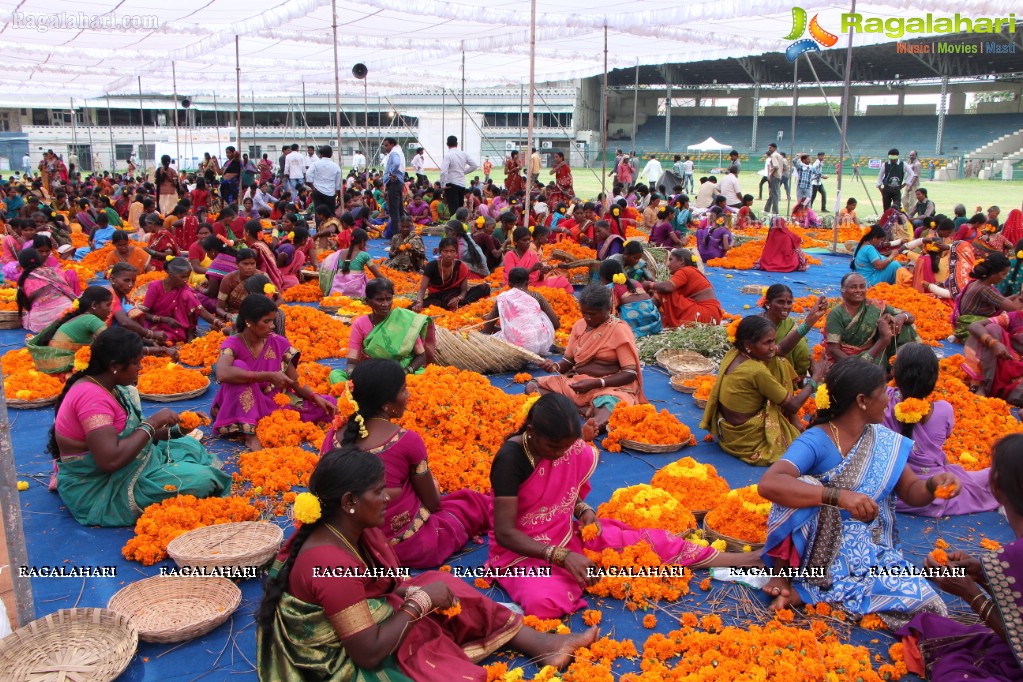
{"x": 307, "y": 508}
{"x": 619, "y": 278}
{"x": 269, "y": 289}
{"x": 22, "y": 486}
{"x": 719, "y": 545}
{"x": 822, "y": 399}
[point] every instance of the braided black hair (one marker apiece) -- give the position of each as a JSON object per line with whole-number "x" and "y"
{"x": 847, "y": 379}
{"x": 916, "y": 374}
{"x": 89, "y": 297}
{"x": 339, "y": 472}
{"x": 873, "y": 232}
{"x": 554, "y": 417}
{"x": 358, "y": 243}
{"x": 375, "y": 382}
{"x": 29, "y": 260}
{"x": 610, "y": 268}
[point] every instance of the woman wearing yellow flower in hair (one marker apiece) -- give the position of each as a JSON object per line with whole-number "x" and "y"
{"x": 423, "y": 527}
{"x": 834, "y": 506}
{"x": 112, "y": 462}
{"x": 171, "y": 307}
{"x": 915, "y": 414}
{"x": 54, "y": 348}
{"x": 361, "y": 622}
{"x": 631, "y": 302}
{"x": 255, "y": 366}
{"x": 292, "y": 254}
{"x": 752, "y": 407}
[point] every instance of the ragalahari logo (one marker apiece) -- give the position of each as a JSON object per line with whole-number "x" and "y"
{"x": 804, "y": 45}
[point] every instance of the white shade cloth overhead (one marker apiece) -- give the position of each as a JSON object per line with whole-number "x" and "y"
{"x": 86, "y": 49}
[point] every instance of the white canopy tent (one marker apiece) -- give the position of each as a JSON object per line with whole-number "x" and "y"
{"x": 710, "y": 145}
{"x": 86, "y": 48}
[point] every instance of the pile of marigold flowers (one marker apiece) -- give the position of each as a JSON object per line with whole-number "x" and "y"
{"x": 695, "y": 485}
{"x": 347, "y": 307}
{"x": 567, "y": 309}
{"x": 644, "y": 424}
{"x": 638, "y": 593}
{"x": 741, "y": 257}
{"x": 29, "y": 384}
{"x": 96, "y": 261}
{"x": 742, "y": 515}
{"x": 275, "y": 470}
{"x": 9, "y": 299}
{"x": 306, "y": 292}
{"x": 703, "y": 384}
{"x": 317, "y": 377}
{"x": 161, "y": 523}
{"x": 594, "y": 663}
{"x": 574, "y": 249}
{"x": 169, "y": 378}
{"x": 463, "y": 420}
{"x": 316, "y": 334}
{"x": 14, "y": 361}
{"x": 189, "y": 421}
{"x": 283, "y": 428}
{"x": 979, "y": 422}
{"x": 774, "y": 651}
{"x": 933, "y": 322}
{"x": 202, "y": 351}
{"x": 644, "y": 506}
{"x": 404, "y": 282}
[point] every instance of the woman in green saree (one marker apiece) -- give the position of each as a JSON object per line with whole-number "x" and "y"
{"x": 866, "y": 327}
{"x": 336, "y": 607}
{"x": 112, "y": 461}
{"x": 389, "y": 333}
{"x": 791, "y": 338}
{"x": 54, "y": 348}
{"x": 752, "y": 408}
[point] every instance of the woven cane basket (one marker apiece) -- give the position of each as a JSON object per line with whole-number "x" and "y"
{"x": 9, "y": 319}
{"x": 651, "y": 449}
{"x": 242, "y": 544}
{"x": 685, "y": 363}
{"x": 176, "y": 608}
{"x": 71, "y": 644}
{"x": 480, "y": 353}
{"x": 733, "y": 544}
{"x": 174, "y": 397}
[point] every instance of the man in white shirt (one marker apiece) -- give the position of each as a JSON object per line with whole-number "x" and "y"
{"x": 775, "y": 166}
{"x": 687, "y": 178}
{"x": 418, "y": 164}
{"x": 818, "y": 183}
{"x": 325, "y": 179}
{"x": 909, "y": 191}
{"x": 453, "y": 168}
{"x": 358, "y": 161}
{"x": 730, "y": 188}
{"x": 534, "y": 167}
{"x": 308, "y": 160}
{"x": 262, "y": 198}
{"x": 652, "y": 171}
{"x": 26, "y": 164}
{"x": 294, "y": 168}
{"x": 708, "y": 190}
{"x": 394, "y": 184}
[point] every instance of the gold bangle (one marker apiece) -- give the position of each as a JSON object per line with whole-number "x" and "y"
{"x": 559, "y": 555}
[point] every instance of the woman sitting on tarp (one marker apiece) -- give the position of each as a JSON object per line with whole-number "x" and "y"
{"x": 112, "y": 461}
{"x": 53, "y": 349}
{"x": 758, "y": 422}
{"x": 804, "y": 216}
{"x": 527, "y": 319}
{"x": 782, "y": 251}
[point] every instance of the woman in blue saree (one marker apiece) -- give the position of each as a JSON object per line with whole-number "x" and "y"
{"x": 834, "y": 505}
{"x": 868, "y": 261}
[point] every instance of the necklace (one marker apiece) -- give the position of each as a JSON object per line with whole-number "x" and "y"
{"x": 255, "y": 355}
{"x": 838, "y": 439}
{"x": 347, "y": 544}
{"x": 529, "y": 455}
{"x": 96, "y": 381}
{"x": 381, "y": 419}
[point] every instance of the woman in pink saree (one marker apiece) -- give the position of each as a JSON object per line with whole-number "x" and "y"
{"x": 540, "y": 479}
{"x": 265, "y": 258}
{"x": 291, "y": 255}
{"x": 43, "y": 292}
{"x": 423, "y": 527}
{"x": 171, "y": 307}
{"x": 255, "y": 366}
{"x": 523, "y": 256}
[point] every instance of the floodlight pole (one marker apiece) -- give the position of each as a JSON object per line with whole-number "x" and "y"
{"x": 74, "y": 133}
{"x": 305, "y": 119}
{"x": 110, "y": 130}
{"x": 941, "y": 115}
{"x": 463, "y": 94}
{"x": 142, "y": 120}
{"x": 845, "y": 123}
{"x": 238, "y": 109}
{"x": 177, "y": 139}
{"x": 792, "y": 141}
{"x": 337, "y": 82}
{"x": 667, "y": 117}
{"x": 532, "y": 97}
{"x": 603, "y": 128}
{"x": 635, "y": 111}
{"x": 216, "y": 122}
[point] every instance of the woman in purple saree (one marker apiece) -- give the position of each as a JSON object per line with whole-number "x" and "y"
{"x": 255, "y": 366}
{"x": 992, "y": 649}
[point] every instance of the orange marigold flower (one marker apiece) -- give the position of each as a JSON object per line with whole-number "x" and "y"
{"x": 990, "y": 545}
{"x": 941, "y": 544}
{"x": 282, "y": 399}
{"x": 871, "y": 621}
{"x": 705, "y": 584}
{"x": 644, "y": 506}
{"x": 452, "y": 610}
{"x": 742, "y": 515}
{"x": 170, "y": 488}
{"x": 592, "y": 617}
{"x": 644, "y": 424}
{"x": 189, "y": 421}
{"x": 943, "y": 492}
{"x": 784, "y": 615}
{"x": 695, "y": 485}
{"x": 589, "y": 532}
{"x": 169, "y": 378}
{"x": 940, "y": 556}
{"x": 446, "y": 568}
{"x": 481, "y": 584}
{"x": 522, "y": 377}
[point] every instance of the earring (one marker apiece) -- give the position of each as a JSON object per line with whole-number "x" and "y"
{"x": 114, "y": 372}
{"x": 352, "y": 510}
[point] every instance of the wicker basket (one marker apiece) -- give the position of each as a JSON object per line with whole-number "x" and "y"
{"x": 685, "y": 363}
{"x": 16, "y": 404}
{"x": 71, "y": 644}
{"x": 480, "y": 353}
{"x": 850, "y": 245}
{"x": 242, "y": 544}
{"x": 732, "y": 544}
{"x": 433, "y": 231}
{"x": 700, "y": 403}
{"x": 585, "y": 263}
{"x": 174, "y": 397}
{"x": 50, "y": 360}
{"x": 329, "y": 309}
{"x": 9, "y": 319}
{"x": 677, "y": 384}
{"x": 653, "y": 449}
{"x": 752, "y": 288}
{"x": 170, "y": 609}
{"x": 138, "y": 294}
{"x": 699, "y": 515}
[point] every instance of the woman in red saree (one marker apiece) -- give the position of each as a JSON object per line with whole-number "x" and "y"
{"x": 423, "y": 527}
{"x": 336, "y": 606}
{"x": 513, "y": 173}
{"x": 688, "y": 295}
{"x": 540, "y": 478}
{"x": 265, "y": 258}
{"x": 563, "y": 191}
{"x": 1012, "y": 230}
{"x": 171, "y": 307}
{"x": 782, "y": 250}
{"x": 601, "y": 365}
